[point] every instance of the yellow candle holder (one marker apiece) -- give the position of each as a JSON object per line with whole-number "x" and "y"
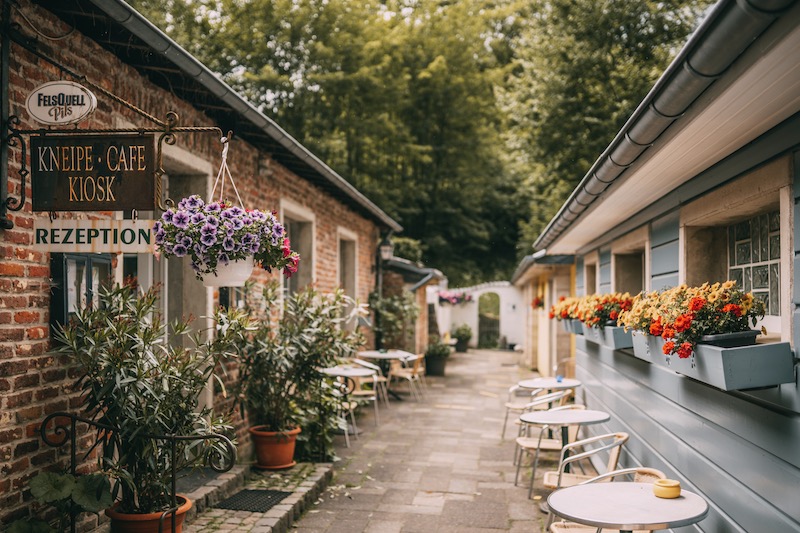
{"x": 667, "y": 488}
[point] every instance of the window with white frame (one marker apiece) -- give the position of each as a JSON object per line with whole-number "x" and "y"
{"x": 299, "y": 223}
{"x": 754, "y": 258}
{"x": 741, "y": 231}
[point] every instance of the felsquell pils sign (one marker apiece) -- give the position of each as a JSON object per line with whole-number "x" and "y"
{"x": 59, "y": 103}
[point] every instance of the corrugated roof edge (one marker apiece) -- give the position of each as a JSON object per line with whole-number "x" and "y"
{"x": 540, "y": 258}
{"x": 730, "y": 28}
{"x": 134, "y": 22}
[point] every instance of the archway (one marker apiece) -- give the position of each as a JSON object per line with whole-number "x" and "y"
{"x": 489, "y": 321}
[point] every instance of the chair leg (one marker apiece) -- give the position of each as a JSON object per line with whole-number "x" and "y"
{"x": 353, "y": 421}
{"x": 505, "y": 421}
{"x": 343, "y": 415}
{"x": 375, "y": 401}
{"x": 519, "y": 464}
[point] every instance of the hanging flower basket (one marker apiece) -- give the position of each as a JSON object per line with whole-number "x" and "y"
{"x": 231, "y": 274}
{"x": 221, "y": 238}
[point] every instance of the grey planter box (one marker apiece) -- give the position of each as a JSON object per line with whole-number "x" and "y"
{"x": 739, "y": 368}
{"x": 567, "y": 325}
{"x": 613, "y": 337}
{"x": 641, "y": 345}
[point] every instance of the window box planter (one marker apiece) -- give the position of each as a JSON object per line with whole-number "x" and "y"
{"x": 641, "y": 345}
{"x": 613, "y": 337}
{"x": 572, "y": 325}
{"x": 730, "y": 367}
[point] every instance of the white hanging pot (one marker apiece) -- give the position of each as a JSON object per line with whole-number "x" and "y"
{"x": 232, "y": 274}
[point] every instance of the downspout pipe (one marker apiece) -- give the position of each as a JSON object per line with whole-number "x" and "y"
{"x": 730, "y": 28}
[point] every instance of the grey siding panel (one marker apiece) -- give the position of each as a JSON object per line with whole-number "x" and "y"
{"x": 664, "y": 259}
{"x": 605, "y": 271}
{"x": 579, "y": 283}
{"x": 665, "y": 229}
{"x": 735, "y": 452}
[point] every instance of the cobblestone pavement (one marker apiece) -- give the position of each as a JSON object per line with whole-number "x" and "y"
{"x": 433, "y": 466}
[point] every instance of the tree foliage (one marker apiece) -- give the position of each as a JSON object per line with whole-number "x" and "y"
{"x": 469, "y": 122}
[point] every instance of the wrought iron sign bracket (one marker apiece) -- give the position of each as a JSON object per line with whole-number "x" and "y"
{"x": 11, "y": 136}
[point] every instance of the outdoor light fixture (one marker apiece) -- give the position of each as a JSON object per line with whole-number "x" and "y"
{"x": 386, "y": 249}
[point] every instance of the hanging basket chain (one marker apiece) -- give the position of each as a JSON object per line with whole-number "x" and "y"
{"x": 224, "y": 172}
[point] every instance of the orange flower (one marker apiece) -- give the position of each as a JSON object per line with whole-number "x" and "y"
{"x": 683, "y": 322}
{"x": 668, "y": 347}
{"x": 656, "y": 328}
{"x": 696, "y": 303}
{"x": 732, "y": 308}
{"x": 685, "y": 350}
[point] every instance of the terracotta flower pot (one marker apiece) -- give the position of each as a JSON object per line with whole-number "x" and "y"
{"x": 274, "y": 449}
{"x": 147, "y": 523}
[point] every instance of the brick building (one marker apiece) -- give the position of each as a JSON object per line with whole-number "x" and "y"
{"x": 108, "y": 47}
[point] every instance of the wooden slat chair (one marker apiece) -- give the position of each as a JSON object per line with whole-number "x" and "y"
{"x": 380, "y": 382}
{"x": 545, "y": 443}
{"x": 409, "y": 374}
{"x": 640, "y": 475}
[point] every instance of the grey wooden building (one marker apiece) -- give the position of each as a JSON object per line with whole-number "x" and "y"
{"x": 702, "y": 184}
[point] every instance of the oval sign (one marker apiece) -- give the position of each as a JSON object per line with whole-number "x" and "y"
{"x": 58, "y": 103}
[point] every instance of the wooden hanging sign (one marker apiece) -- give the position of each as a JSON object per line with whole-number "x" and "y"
{"x": 93, "y": 172}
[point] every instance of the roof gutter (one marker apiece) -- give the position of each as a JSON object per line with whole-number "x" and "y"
{"x": 135, "y": 23}
{"x": 729, "y": 30}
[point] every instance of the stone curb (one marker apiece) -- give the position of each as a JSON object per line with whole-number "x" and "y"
{"x": 305, "y": 492}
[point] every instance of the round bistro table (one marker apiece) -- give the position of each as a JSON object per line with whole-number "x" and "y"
{"x": 626, "y": 506}
{"x": 565, "y": 418}
{"x": 550, "y": 384}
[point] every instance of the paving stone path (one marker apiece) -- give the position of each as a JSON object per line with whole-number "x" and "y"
{"x": 434, "y": 466}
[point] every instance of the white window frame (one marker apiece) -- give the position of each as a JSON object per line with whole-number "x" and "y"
{"x": 763, "y": 189}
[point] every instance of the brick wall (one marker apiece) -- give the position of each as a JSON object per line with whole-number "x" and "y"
{"x": 34, "y": 383}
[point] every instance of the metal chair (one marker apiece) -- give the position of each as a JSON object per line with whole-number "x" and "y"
{"x": 545, "y": 443}
{"x": 379, "y": 381}
{"x": 611, "y": 442}
{"x": 342, "y": 387}
{"x": 408, "y": 374}
{"x": 516, "y": 406}
{"x": 640, "y": 475}
{"x": 544, "y": 401}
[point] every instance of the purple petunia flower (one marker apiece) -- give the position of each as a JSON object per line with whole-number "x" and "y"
{"x": 211, "y": 219}
{"x": 186, "y": 241}
{"x": 278, "y": 230}
{"x": 248, "y": 238}
{"x": 208, "y": 239}
{"x": 194, "y": 202}
{"x": 180, "y": 219}
{"x": 254, "y": 247}
{"x": 179, "y": 250}
{"x": 167, "y": 216}
{"x": 160, "y": 236}
{"x": 236, "y": 211}
{"x": 237, "y": 223}
{"x": 228, "y": 214}
{"x": 223, "y": 258}
{"x": 228, "y": 243}
{"x": 208, "y": 229}
{"x": 213, "y": 207}
{"x": 198, "y": 218}
{"x": 247, "y": 221}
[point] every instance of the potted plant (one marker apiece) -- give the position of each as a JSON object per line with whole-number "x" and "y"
{"x": 224, "y": 239}
{"x": 599, "y": 313}
{"x": 462, "y": 334}
{"x": 281, "y": 386}
{"x": 436, "y": 357}
{"x": 139, "y": 387}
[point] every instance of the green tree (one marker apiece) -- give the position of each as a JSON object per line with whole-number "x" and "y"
{"x": 583, "y": 66}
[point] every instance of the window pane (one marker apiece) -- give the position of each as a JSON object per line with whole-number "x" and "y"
{"x": 743, "y": 253}
{"x": 774, "y": 289}
{"x": 774, "y": 247}
{"x": 747, "y": 286}
{"x": 743, "y": 231}
{"x": 736, "y": 275}
{"x": 761, "y": 277}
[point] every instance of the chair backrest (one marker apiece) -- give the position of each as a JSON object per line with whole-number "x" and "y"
{"x": 612, "y": 442}
{"x": 640, "y": 474}
{"x": 548, "y": 398}
{"x": 616, "y": 450}
{"x": 367, "y": 364}
{"x": 564, "y": 367}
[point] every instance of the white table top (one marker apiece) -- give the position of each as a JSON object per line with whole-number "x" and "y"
{"x": 626, "y": 506}
{"x": 549, "y": 383}
{"x": 347, "y": 371}
{"x": 566, "y": 417}
{"x": 389, "y": 354}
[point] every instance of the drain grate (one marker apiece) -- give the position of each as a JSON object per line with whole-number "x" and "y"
{"x": 254, "y": 501}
